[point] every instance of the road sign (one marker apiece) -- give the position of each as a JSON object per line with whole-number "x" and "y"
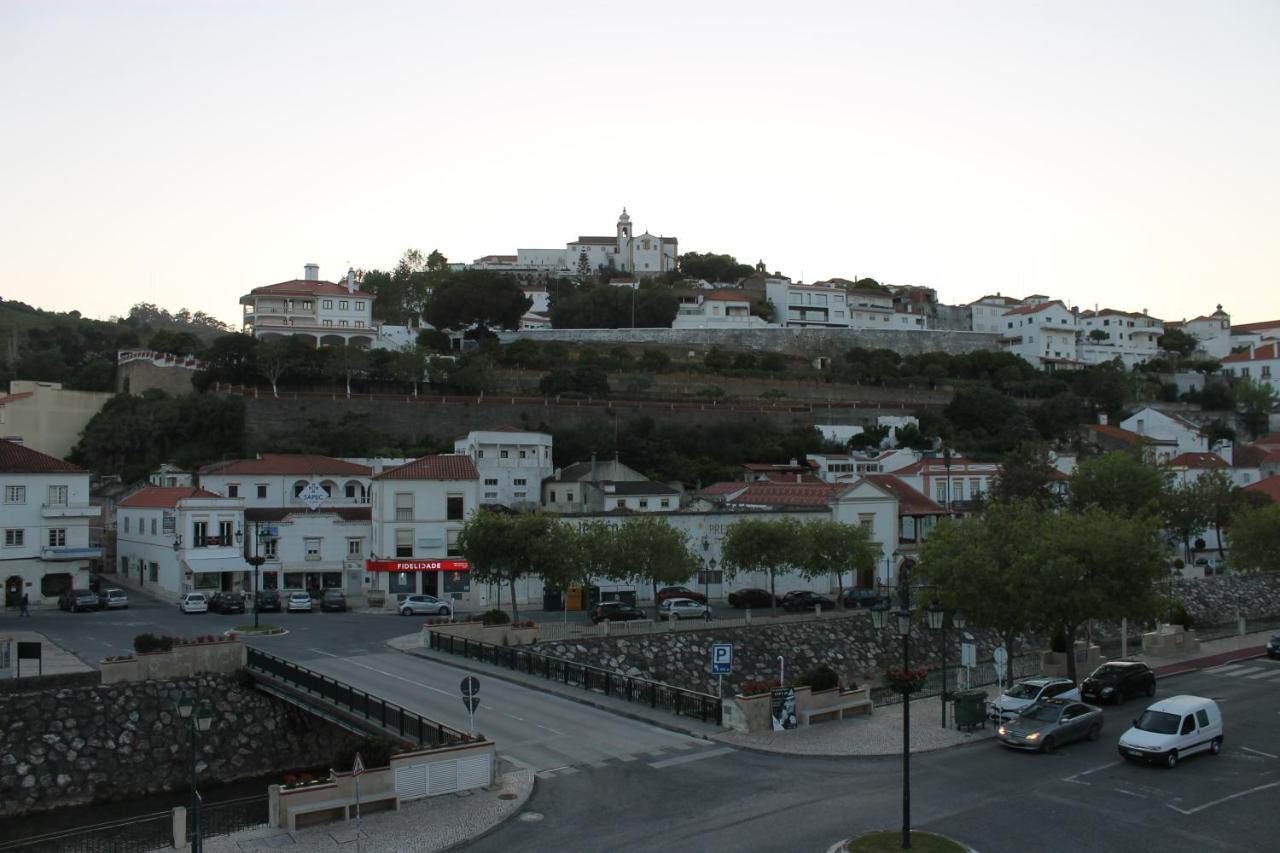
{"x": 1000, "y": 656}
{"x": 968, "y": 654}
{"x": 313, "y": 495}
{"x": 357, "y": 766}
{"x": 472, "y": 702}
{"x": 721, "y": 658}
{"x": 470, "y": 686}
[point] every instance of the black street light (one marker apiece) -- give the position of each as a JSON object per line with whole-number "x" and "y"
{"x": 201, "y": 720}
{"x": 958, "y": 622}
{"x": 256, "y": 560}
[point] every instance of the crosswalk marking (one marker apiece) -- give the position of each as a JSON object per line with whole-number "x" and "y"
{"x": 687, "y": 757}
{"x": 1223, "y": 670}
{"x": 1269, "y": 673}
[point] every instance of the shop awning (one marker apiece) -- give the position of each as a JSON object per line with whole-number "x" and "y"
{"x": 216, "y": 564}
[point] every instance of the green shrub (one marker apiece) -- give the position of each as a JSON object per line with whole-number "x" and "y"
{"x": 374, "y": 752}
{"x": 1180, "y": 616}
{"x": 820, "y": 677}
{"x": 496, "y": 617}
{"x": 144, "y": 643}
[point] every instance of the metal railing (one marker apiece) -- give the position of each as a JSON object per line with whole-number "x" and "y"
{"x": 137, "y": 834}
{"x": 229, "y": 816}
{"x": 376, "y": 710}
{"x": 655, "y": 694}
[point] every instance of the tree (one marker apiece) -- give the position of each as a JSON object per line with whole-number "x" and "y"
{"x": 591, "y": 552}
{"x": 230, "y": 358}
{"x": 1254, "y": 401}
{"x": 437, "y": 262}
{"x": 588, "y": 379}
{"x": 980, "y": 415}
{"x": 1178, "y": 341}
{"x": 1099, "y": 335}
{"x": 1185, "y": 514}
{"x": 1218, "y": 493}
{"x": 1026, "y": 475}
{"x": 408, "y": 365}
{"x": 345, "y": 362}
{"x": 1118, "y": 482}
{"x": 713, "y": 267}
{"x": 647, "y": 549}
{"x": 832, "y": 547}
{"x": 505, "y": 547}
{"x": 481, "y": 298}
{"x": 274, "y": 359}
{"x": 584, "y": 266}
{"x": 1255, "y": 540}
{"x": 762, "y": 545}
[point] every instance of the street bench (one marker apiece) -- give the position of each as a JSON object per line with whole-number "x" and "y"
{"x": 853, "y": 707}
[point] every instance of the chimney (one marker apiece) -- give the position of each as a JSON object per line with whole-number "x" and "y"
{"x": 351, "y": 280}
{"x": 311, "y": 272}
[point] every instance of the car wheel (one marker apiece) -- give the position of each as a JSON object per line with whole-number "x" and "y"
{"x": 1171, "y": 760}
{"x": 1151, "y": 689}
{"x": 675, "y": 617}
{"x": 404, "y": 611}
{"x": 1215, "y": 746}
{"x": 443, "y": 611}
{"x": 1047, "y": 745}
{"x": 1095, "y": 731}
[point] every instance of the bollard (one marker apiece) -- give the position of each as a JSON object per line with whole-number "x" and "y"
{"x": 180, "y": 828}
{"x": 1241, "y": 622}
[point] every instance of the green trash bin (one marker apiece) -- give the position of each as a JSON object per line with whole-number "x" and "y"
{"x": 591, "y": 596}
{"x": 969, "y": 708}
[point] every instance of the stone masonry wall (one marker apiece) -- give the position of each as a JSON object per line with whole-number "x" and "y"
{"x": 1219, "y": 598}
{"x": 78, "y": 745}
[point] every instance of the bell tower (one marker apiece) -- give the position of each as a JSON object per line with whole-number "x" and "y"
{"x": 624, "y": 241}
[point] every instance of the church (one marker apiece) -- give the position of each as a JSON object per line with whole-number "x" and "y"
{"x": 640, "y": 255}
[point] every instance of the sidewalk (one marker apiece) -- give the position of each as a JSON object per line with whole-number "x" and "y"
{"x": 430, "y": 825}
{"x": 55, "y": 659}
{"x": 1211, "y": 653}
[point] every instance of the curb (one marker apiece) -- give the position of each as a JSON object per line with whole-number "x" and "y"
{"x": 1221, "y": 659}
{"x": 838, "y": 847}
{"x": 533, "y": 785}
{"x": 832, "y": 756}
{"x": 671, "y": 727}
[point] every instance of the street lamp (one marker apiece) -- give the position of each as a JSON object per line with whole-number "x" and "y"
{"x": 201, "y": 718}
{"x": 256, "y": 560}
{"x": 958, "y": 622}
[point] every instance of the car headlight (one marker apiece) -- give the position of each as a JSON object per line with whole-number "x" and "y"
{"x": 1033, "y": 736}
{"x": 1107, "y": 691}
{"x": 1002, "y": 730}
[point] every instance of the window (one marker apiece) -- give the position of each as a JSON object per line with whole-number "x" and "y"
{"x": 57, "y": 537}
{"x": 225, "y": 533}
{"x": 665, "y": 503}
{"x": 941, "y": 488}
{"x": 453, "y": 507}
{"x": 328, "y": 303}
{"x": 404, "y": 506}
{"x": 153, "y": 527}
{"x": 975, "y": 487}
{"x": 568, "y": 496}
{"x": 298, "y": 487}
{"x": 520, "y": 494}
{"x": 1202, "y": 717}
{"x": 493, "y": 481}
{"x": 342, "y": 322}
{"x": 867, "y": 520}
{"x": 262, "y": 490}
{"x": 521, "y": 454}
{"x": 1188, "y": 725}
{"x": 15, "y": 494}
{"x": 306, "y": 305}
{"x": 327, "y": 323}
{"x": 153, "y": 572}
{"x": 504, "y": 454}
{"x": 199, "y": 534}
{"x": 553, "y": 496}
{"x": 57, "y": 496}
{"x": 233, "y": 490}
{"x": 359, "y": 305}
{"x": 644, "y": 503}
{"x": 313, "y": 547}
{"x": 404, "y": 543}
{"x": 451, "y": 543}
{"x": 124, "y": 566}
{"x": 126, "y": 524}
{"x": 342, "y": 305}
{"x": 520, "y": 482}
{"x": 14, "y": 538}
{"x": 491, "y": 496}
{"x": 355, "y": 547}
{"x": 269, "y": 549}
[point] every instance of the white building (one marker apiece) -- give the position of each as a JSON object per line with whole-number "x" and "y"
{"x": 987, "y": 314}
{"x": 418, "y": 510}
{"x": 606, "y": 486}
{"x": 1109, "y": 334}
{"x": 953, "y": 484}
{"x": 321, "y": 313}
{"x": 1260, "y": 362}
{"x": 1161, "y": 426}
{"x": 46, "y": 520}
{"x": 281, "y": 479}
{"x": 719, "y": 309}
{"x": 807, "y": 305}
{"x": 1212, "y": 332}
{"x": 511, "y": 462}
{"x": 172, "y": 540}
{"x": 311, "y": 550}
{"x": 1042, "y": 333}
{"x": 642, "y": 255}
{"x": 46, "y": 417}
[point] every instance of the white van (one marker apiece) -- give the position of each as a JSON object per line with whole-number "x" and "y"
{"x": 1174, "y": 728}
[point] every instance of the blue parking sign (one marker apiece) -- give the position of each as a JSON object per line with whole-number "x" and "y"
{"x": 721, "y": 658}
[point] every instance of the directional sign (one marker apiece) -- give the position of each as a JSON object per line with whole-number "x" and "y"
{"x": 470, "y": 686}
{"x": 721, "y": 658}
{"x": 472, "y": 702}
{"x": 313, "y": 495}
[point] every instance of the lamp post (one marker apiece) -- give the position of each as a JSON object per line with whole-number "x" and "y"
{"x": 256, "y": 560}
{"x": 958, "y": 622}
{"x": 201, "y": 719}
{"x": 903, "y": 615}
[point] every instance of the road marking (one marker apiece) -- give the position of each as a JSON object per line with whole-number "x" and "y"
{"x": 510, "y": 716}
{"x": 1264, "y": 674}
{"x": 382, "y": 672}
{"x": 1245, "y": 672}
{"x": 1130, "y": 793}
{"x": 1220, "y": 670}
{"x": 548, "y": 729}
{"x": 1219, "y": 802}
{"x": 1076, "y": 778}
{"x": 687, "y": 757}
{"x": 1259, "y": 752}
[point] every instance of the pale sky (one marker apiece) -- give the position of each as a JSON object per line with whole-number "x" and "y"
{"x": 1123, "y": 154}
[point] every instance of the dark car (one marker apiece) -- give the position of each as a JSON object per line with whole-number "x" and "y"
{"x": 860, "y": 596}
{"x": 615, "y": 611}
{"x": 76, "y": 600}
{"x": 1117, "y": 681}
{"x": 1273, "y": 646}
{"x": 333, "y": 599}
{"x": 751, "y": 598}
{"x": 226, "y": 602}
{"x": 803, "y": 599}
{"x": 267, "y": 600}
{"x": 680, "y": 592}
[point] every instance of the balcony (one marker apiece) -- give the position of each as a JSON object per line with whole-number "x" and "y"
{"x": 70, "y": 511}
{"x": 61, "y": 554}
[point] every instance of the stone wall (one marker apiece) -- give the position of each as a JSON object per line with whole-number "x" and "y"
{"x": 78, "y": 745}
{"x": 135, "y": 377}
{"x": 1220, "y": 598}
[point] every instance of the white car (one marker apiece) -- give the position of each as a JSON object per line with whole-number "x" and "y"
{"x": 194, "y": 602}
{"x": 299, "y": 602}
{"x": 1174, "y": 728}
{"x": 425, "y": 604}
{"x": 683, "y": 608}
{"x": 1027, "y": 691}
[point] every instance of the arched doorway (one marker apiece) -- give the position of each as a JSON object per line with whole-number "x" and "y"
{"x": 13, "y": 591}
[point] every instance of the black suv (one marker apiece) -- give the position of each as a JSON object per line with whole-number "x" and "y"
{"x": 615, "y": 611}
{"x": 1117, "y": 681}
{"x": 803, "y": 599}
{"x": 267, "y": 600}
{"x": 226, "y": 602}
{"x": 333, "y": 599}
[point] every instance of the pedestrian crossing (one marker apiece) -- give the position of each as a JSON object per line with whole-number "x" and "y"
{"x": 658, "y": 759}
{"x": 1265, "y": 673}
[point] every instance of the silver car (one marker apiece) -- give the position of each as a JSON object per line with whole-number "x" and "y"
{"x": 683, "y": 608}
{"x": 1029, "y": 691}
{"x": 111, "y": 599}
{"x": 1049, "y": 723}
{"x": 419, "y": 605}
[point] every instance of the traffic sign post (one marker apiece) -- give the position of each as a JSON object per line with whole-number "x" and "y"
{"x": 357, "y": 768}
{"x": 470, "y": 698}
{"x": 1000, "y": 657}
{"x": 721, "y": 662}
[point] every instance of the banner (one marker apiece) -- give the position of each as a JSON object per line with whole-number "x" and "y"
{"x": 443, "y": 565}
{"x": 783, "y": 702}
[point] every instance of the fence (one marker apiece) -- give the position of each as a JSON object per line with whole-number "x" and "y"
{"x": 388, "y": 716}
{"x": 981, "y": 675}
{"x": 128, "y": 835}
{"x": 553, "y": 631}
{"x": 230, "y": 816}
{"x": 655, "y": 694}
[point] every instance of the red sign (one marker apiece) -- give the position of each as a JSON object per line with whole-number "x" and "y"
{"x": 447, "y": 565}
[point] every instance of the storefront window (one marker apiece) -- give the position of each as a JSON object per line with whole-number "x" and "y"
{"x": 208, "y": 580}
{"x": 270, "y": 580}
{"x": 401, "y": 582}
{"x": 294, "y": 580}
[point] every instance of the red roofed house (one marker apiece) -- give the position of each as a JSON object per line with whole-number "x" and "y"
{"x": 179, "y": 539}
{"x": 1044, "y": 334}
{"x": 418, "y": 509}
{"x": 954, "y": 484}
{"x": 279, "y": 479}
{"x": 321, "y": 313}
{"x": 1261, "y": 363}
{"x": 717, "y": 309}
{"x": 1189, "y": 467}
{"x": 1269, "y": 487}
{"x": 45, "y": 521}
{"x": 1213, "y": 332}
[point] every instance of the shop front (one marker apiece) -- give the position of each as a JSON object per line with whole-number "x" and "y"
{"x": 213, "y": 574}
{"x": 447, "y": 577}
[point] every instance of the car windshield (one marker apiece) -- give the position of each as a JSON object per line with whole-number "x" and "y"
{"x": 1158, "y": 722}
{"x": 1023, "y": 691}
{"x": 1108, "y": 673}
{"x": 1041, "y": 713}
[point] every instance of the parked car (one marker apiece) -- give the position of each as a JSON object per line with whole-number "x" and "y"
{"x": 751, "y": 598}
{"x": 803, "y": 599}
{"x": 860, "y": 596}
{"x": 616, "y": 611}
{"x": 333, "y": 599}
{"x": 683, "y": 608}
{"x": 299, "y": 602}
{"x": 1117, "y": 681}
{"x": 76, "y": 600}
{"x": 1050, "y": 723}
{"x": 265, "y": 600}
{"x": 418, "y": 605}
{"x": 680, "y": 592}
{"x": 1172, "y": 729}
{"x": 1028, "y": 691}
{"x": 194, "y": 602}
{"x": 226, "y": 602}
{"x": 113, "y": 599}
{"x": 1273, "y": 646}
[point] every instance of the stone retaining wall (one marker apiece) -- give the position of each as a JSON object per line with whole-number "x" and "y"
{"x": 117, "y": 741}
{"x": 1220, "y": 598}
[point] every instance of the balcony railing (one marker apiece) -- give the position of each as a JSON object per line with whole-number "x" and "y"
{"x": 70, "y": 511}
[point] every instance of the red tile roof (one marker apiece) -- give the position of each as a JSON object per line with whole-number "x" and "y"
{"x": 1244, "y": 328}
{"x": 1198, "y": 460}
{"x": 1034, "y": 309}
{"x": 16, "y": 459}
{"x": 165, "y": 496}
{"x": 789, "y": 494}
{"x": 1269, "y": 487}
{"x": 11, "y": 398}
{"x": 910, "y": 501}
{"x": 301, "y": 464}
{"x": 1263, "y": 352}
{"x": 1248, "y": 456}
{"x": 445, "y": 466}
{"x": 305, "y": 287}
{"x": 595, "y": 241}
{"x": 717, "y": 489}
{"x": 726, "y": 296}
{"x": 1117, "y": 433}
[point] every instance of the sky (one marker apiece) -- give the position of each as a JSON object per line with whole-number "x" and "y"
{"x": 1110, "y": 154}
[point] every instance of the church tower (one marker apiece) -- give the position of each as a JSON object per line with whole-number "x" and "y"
{"x": 624, "y": 241}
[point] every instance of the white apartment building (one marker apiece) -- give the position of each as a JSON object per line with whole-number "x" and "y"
{"x": 511, "y": 463}
{"x": 1260, "y": 362}
{"x": 311, "y": 550}
{"x": 875, "y": 309}
{"x": 418, "y": 509}
{"x": 987, "y": 314}
{"x": 807, "y": 305}
{"x": 321, "y": 313}
{"x": 1109, "y": 334}
{"x": 46, "y": 417}
{"x": 45, "y": 522}
{"x": 1213, "y": 332}
{"x": 1044, "y": 334}
{"x": 718, "y": 309}
{"x": 1168, "y": 429}
{"x": 173, "y": 540}
{"x": 282, "y": 480}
